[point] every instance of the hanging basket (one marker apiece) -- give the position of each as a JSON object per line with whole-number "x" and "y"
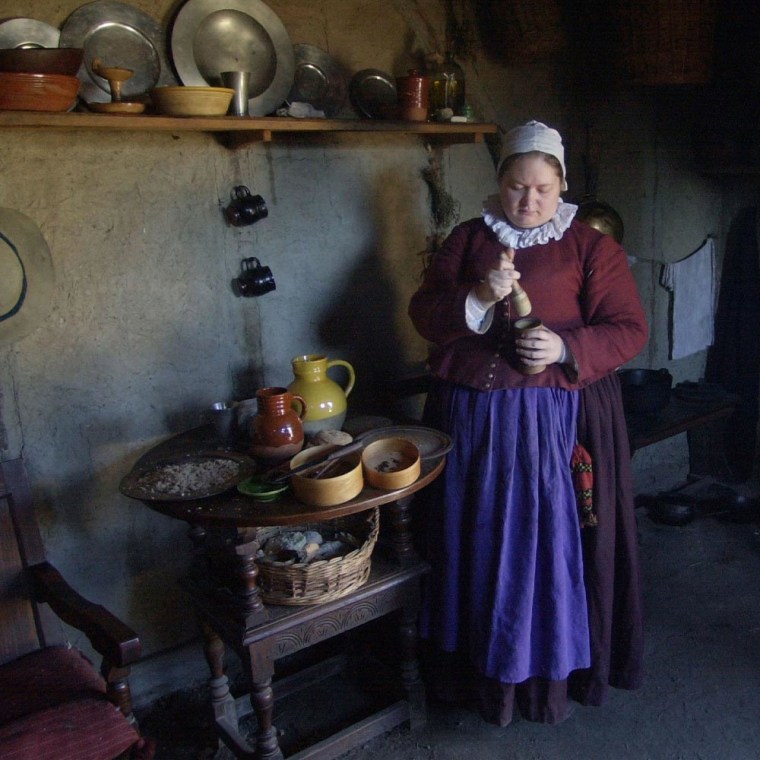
{"x": 666, "y": 42}
{"x": 321, "y": 580}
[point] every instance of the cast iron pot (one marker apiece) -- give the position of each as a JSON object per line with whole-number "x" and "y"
{"x": 645, "y": 390}
{"x": 672, "y": 508}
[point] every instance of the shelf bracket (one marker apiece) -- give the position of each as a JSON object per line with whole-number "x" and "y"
{"x": 235, "y": 140}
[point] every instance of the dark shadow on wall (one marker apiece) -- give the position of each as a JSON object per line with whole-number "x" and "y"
{"x": 361, "y": 324}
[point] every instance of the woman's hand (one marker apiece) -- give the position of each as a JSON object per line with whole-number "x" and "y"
{"x": 498, "y": 281}
{"x": 540, "y": 346}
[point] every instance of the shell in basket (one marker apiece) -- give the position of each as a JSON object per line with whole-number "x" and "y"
{"x": 313, "y": 582}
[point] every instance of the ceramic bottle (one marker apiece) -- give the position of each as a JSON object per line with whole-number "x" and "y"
{"x": 276, "y": 430}
{"x": 326, "y": 400}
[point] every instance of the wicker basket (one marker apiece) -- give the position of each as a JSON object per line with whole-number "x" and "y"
{"x": 667, "y": 42}
{"x": 320, "y": 580}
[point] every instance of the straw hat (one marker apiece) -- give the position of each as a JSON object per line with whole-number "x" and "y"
{"x": 26, "y": 276}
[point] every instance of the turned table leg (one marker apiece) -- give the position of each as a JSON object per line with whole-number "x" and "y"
{"x": 249, "y": 599}
{"x": 401, "y": 533}
{"x": 410, "y": 671}
{"x": 262, "y": 701}
{"x": 401, "y": 536}
{"x": 222, "y": 702}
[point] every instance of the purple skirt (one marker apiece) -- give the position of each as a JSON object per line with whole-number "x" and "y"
{"x": 502, "y": 534}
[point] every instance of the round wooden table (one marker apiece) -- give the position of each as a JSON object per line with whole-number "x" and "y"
{"x": 233, "y": 508}
{"x": 223, "y": 587}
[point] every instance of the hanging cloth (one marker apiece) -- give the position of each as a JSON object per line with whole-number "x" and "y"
{"x": 692, "y": 283}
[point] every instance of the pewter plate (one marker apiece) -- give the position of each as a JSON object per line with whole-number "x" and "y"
{"x": 431, "y": 443}
{"x": 122, "y": 36}
{"x": 28, "y": 33}
{"x": 373, "y": 94}
{"x": 212, "y": 36}
{"x": 184, "y": 478}
{"x": 318, "y": 80}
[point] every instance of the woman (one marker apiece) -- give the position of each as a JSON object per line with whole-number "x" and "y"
{"x": 522, "y": 600}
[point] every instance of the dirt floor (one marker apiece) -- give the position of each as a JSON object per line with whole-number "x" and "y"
{"x": 700, "y": 701}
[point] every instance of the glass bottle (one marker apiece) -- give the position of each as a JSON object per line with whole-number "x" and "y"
{"x": 446, "y": 88}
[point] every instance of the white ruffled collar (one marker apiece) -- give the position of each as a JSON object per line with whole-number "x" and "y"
{"x": 515, "y": 237}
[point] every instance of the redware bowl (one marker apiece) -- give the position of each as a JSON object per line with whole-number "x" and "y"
{"x": 37, "y": 92}
{"x": 64, "y": 61}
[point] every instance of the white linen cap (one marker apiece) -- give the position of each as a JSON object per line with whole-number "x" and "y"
{"x": 534, "y": 136}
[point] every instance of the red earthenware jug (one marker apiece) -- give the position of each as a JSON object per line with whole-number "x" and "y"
{"x": 276, "y": 430}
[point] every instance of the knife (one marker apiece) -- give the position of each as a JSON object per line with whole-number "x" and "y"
{"x": 278, "y": 476}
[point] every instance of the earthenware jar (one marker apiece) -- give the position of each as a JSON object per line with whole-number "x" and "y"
{"x": 413, "y": 96}
{"x": 325, "y": 398}
{"x": 276, "y": 430}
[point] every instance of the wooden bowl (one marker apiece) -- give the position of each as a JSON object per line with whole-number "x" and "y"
{"x": 37, "y": 92}
{"x": 340, "y": 483}
{"x": 64, "y": 61}
{"x": 391, "y": 463}
{"x": 191, "y": 101}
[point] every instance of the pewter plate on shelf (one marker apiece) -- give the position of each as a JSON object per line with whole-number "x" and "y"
{"x": 373, "y": 94}
{"x": 183, "y": 478}
{"x": 431, "y": 443}
{"x": 120, "y": 36}
{"x": 318, "y": 80}
{"x": 212, "y": 36}
{"x": 28, "y": 33}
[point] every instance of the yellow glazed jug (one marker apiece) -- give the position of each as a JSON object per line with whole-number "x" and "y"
{"x": 326, "y": 400}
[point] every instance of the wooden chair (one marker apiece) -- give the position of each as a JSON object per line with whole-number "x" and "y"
{"x": 53, "y": 703}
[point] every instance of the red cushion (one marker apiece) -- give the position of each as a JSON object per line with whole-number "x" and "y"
{"x": 54, "y": 707}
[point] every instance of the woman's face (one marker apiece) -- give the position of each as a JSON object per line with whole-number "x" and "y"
{"x": 529, "y": 191}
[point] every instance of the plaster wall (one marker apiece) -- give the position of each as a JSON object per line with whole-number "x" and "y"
{"x": 144, "y": 332}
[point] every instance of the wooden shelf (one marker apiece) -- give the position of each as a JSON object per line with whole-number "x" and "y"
{"x": 242, "y": 130}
